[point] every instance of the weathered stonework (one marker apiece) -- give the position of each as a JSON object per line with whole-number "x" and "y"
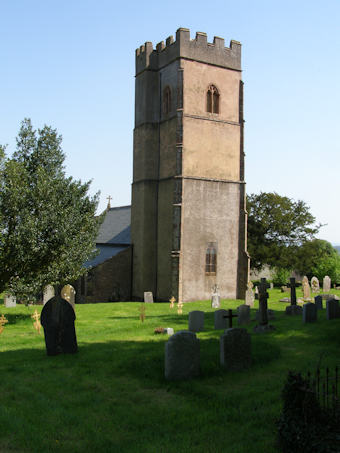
{"x": 188, "y": 175}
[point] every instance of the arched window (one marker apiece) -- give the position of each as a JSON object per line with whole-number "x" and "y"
{"x": 213, "y": 100}
{"x": 166, "y": 100}
{"x": 211, "y": 259}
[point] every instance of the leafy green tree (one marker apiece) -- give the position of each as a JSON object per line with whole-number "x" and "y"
{"x": 48, "y": 222}
{"x": 277, "y": 227}
{"x": 319, "y": 258}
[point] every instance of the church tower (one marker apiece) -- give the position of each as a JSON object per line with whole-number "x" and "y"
{"x": 188, "y": 225}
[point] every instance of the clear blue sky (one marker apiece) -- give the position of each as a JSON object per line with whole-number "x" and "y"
{"x": 70, "y": 64}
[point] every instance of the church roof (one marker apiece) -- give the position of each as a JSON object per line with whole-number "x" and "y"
{"x": 115, "y": 228}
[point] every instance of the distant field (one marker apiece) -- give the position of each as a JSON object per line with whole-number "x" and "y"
{"x": 112, "y": 395}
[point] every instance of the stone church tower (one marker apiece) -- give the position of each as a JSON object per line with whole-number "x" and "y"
{"x": 188, "y": 218}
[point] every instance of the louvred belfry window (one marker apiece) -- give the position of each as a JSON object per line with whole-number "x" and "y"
{"x": 213, "y": 100}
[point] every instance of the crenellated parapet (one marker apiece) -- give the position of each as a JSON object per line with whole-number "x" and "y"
{"x": 198, "y": 49}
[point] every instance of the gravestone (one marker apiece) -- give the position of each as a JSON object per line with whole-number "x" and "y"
{"x": 196, "y": 321}
{"x": 250, "y": 297}
{"x": 57, "y": 319}
{"x": 48, "y": 293}
{"x": 318, "y": 302}
{"x": 169, "y": 331}
{"x": 148, "y": 297}
{"x": 293, "y": 308}
{"x": 315, "y": 285}
{"x": 332, "y": 309}
{"x": 235, "y": 349}
{"x": 306, "y": 288}
{"x": 263, "y": 325}
{"x": 182, "y": 356}
{"x": 270, "y": 315}
{"x": 271, "y": 285}
{"x": 229, "y": 316}
{"x": 309, "y": 313}
{"x": 10, "y": 301}
{"x": 219, "y": 321}
{"x": 256, "y": 292}
{"x": 243, "y": 314}
{"x": 215, "y": 298}
{"x": 326, "y": 284}
{"x": 68, "y": 293}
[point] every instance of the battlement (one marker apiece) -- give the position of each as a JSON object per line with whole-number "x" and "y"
{"x": 198, "y": 49}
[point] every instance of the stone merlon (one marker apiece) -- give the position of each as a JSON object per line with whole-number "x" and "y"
{"x": 197, "y": 49}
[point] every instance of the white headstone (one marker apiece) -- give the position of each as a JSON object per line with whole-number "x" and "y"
{"x": 148, "y": 297}
{"x": 68, "y": 293}
{"x": 48, "y": 293}
{"x": 326, "y": 285}
{"x": 182, "y": 356}
{"x": 315, "y": 285}
{"x": 10, "y": 301}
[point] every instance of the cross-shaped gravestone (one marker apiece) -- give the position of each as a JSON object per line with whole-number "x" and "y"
{"x": 230, "y": 317}
{"x": 292, "y": 285}
{"x": 3, "y": 321}
{"x": 172, "y": 302}
{"x": 109, "y": 203}
{"x": 36, "y": 323}
{"x": 263, "y": 304}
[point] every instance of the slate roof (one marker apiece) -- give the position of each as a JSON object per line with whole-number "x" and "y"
{"x": 115, "y": 228}
{"x": 113, "y": 236}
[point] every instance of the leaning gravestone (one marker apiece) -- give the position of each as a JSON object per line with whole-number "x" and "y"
{"x": 48, "y": 293}
{"x": 148, "y": 297}
{"x": 182, "y": 356}
{"x": 306, "y": 288}
{"x": 250, "y": 297}
{"x": 315, "y": 285}
{"x": 57, "y": 319}
{"x": 243, "y": 314}
{"x": 318, "y": 302}
{"x": 196, "y": 321}
{"x": 215, "y": 298}
{"x": 68, "y": 293}
{"x": 219, "y": 321}
{"x": 309, "y": 313}
{"x": 10, "y": 301}
{"x": 332, "y": 309}
{"x": 326, "y": 284}
{"x": 235, "y": 349}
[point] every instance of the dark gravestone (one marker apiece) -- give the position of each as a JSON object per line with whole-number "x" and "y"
{"x": 57, "y": 319}
{"x": 332, "y": 309}
{"x": 263, "y": 325}
{"x": 293, "y": 308}
{"x": 309, "y": 313}
{"x": 318, "y": 302}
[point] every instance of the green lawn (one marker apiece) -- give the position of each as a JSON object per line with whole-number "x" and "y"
{"x": 112, "y": 395}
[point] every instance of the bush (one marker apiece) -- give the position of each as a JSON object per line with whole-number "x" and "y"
{"x": 281, "y": 276}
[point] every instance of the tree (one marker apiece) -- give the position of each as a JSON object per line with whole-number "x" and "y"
{"x": 48, "y": 223}
{"x": 319, "y": 258}
{"x": 277, "y": 227}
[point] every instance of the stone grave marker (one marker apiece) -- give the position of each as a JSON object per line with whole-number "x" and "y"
{"x": 256, "y": 292}
{"x": 36, "y": 323}
{"x": 309, "y": 313}
{"x": 250, "y": 297}
{"x": 3, "y": 322}
{"x": 196, "y": 321}
{"x": 326, "y": 284}
{"x": 169, "y": 331}
{"x": 57, "y": 319}
{"x": 48, "y": 293}
{"x": 182, "y": 356}
{"x": 172, "y": 302}
{"x": 235, "y": 349}
{"x": 243, "y": 314}
{"x": 306, "y": 288}
{"x": 230, "y": 317}
{"x": 219, "y": 319}
{"x": 318, "y": 302}
{"x": 10, "y": 301}
{"x": 215, "y": 298}
{"x": 332, "y": 309}
{"x": 68, "y": 293}
{"x": 148, "y": 297}
{"x": 315, "y": 285}
{"x": 263, "y": 325}
{"x": 293, "y": 308}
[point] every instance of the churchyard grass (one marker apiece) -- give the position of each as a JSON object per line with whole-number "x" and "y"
{"x": 112, "y": 395}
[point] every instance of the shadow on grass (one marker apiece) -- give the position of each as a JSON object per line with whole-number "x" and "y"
{"x": 13, "y": 319}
